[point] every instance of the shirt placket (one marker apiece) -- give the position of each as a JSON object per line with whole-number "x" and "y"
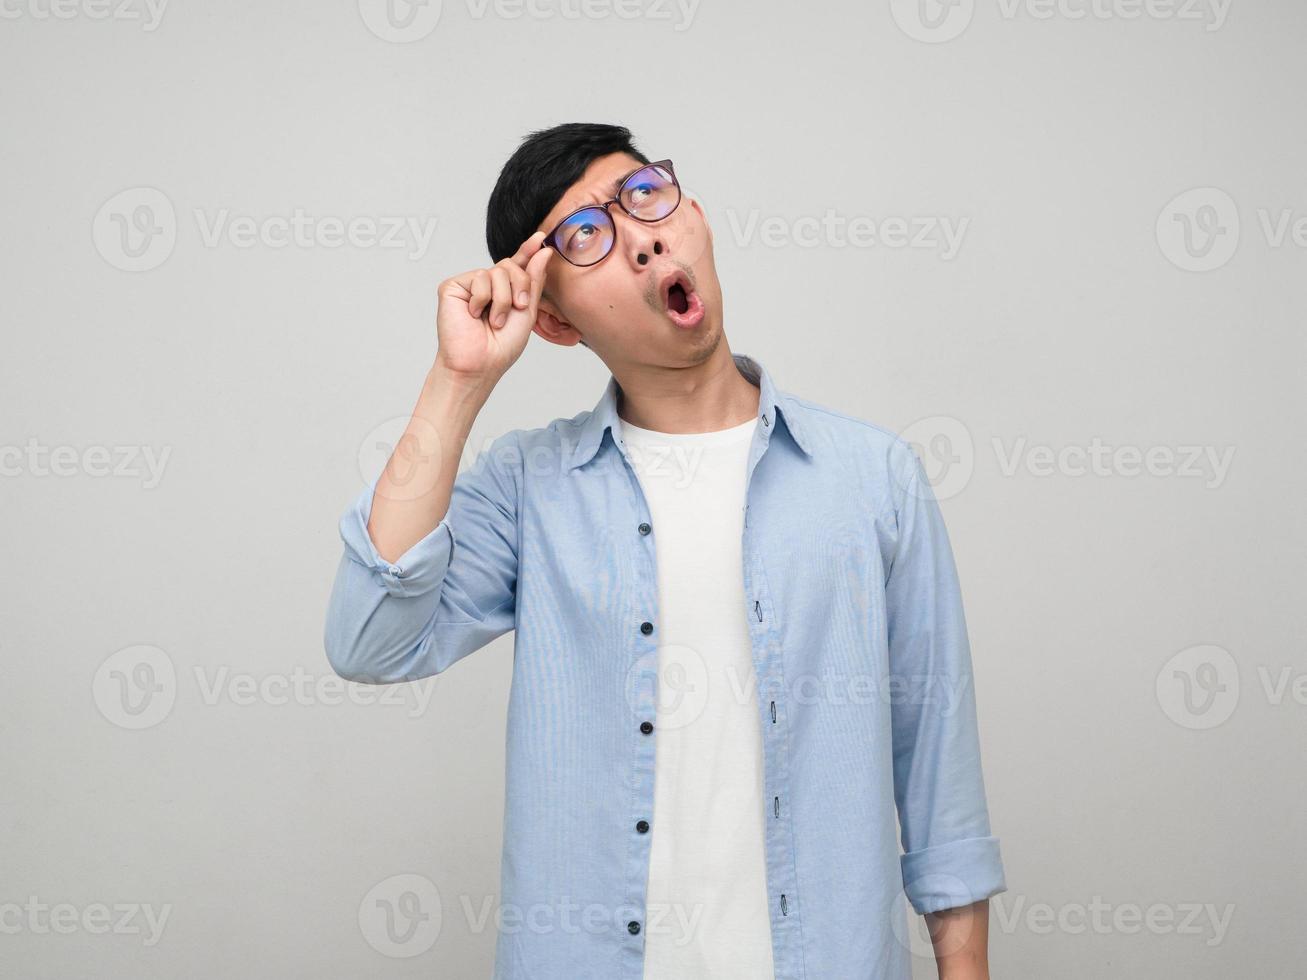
{"x": 764, "y": 637}
{"x": 764, "y": 641}
{"x": 641, "y": 690}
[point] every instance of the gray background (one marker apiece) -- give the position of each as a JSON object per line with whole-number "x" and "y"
{"x": 1137, "y": 627}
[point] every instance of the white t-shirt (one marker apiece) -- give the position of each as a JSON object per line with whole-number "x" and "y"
{"x": 707, "y": 909}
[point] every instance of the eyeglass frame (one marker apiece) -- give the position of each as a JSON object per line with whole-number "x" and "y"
{"x": 549, "y": 240}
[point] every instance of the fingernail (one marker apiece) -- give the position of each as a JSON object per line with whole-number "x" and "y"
{"x": 499, "y": 320}
{"x": 523, "y": 298}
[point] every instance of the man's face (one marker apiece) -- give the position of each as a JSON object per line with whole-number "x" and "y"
{"x": 620, "y": 306}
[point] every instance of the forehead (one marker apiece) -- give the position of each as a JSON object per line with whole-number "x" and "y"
{"x": 599, "y": 183}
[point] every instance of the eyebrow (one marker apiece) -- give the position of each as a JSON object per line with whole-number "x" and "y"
{"x": 616, "y": 189}
{"x": 617, "y": 184}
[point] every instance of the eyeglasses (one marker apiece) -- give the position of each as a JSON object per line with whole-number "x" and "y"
{"x": 588, "y": 234}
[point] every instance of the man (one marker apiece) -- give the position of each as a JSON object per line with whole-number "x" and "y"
{"x": 740, "y": 646}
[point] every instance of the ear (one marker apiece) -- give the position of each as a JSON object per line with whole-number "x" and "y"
{"x": 694, "y": 203}
{"x": 551, "y": 325}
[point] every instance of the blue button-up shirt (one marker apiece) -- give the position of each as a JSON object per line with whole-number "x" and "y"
{"x": 863, "y": 669}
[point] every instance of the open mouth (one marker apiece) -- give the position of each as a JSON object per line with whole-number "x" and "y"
{"x": 683, "y": 305}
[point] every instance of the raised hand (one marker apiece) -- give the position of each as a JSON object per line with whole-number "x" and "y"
{"x": 485, "y": 316}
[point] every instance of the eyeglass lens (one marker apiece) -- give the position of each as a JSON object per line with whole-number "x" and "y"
{"x": 649, "y": 194}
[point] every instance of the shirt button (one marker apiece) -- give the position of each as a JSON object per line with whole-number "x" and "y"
{"x": 645, "y": 529}
{"x": 646, "y": 727}
{"x": 633, "y": 928}
{"x": 643, "y": 826}
{"x": 646, "y": 628}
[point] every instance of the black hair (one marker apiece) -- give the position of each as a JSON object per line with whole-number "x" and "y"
{"x": 539, "y": 172}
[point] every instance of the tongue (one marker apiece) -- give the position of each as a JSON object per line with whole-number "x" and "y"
{"x": 677, "y": 301}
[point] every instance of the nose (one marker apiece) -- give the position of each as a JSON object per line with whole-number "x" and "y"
{"x": 641, "y": 241}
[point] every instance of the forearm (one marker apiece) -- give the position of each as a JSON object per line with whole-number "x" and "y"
{"x": 413, "y": 493}
{"x": 960, "y": 937}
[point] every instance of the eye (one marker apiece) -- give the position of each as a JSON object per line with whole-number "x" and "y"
{"x": 581, "y": 235}
{"x": 649, "y": 193}
{"x": 588, "y": 237}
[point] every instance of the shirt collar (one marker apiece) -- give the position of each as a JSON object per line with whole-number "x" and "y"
{"x": 772, "y": 404}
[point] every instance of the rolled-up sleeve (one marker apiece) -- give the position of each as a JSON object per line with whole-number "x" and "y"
{"x": 950, "y": 858}
{"x": 448, "y": 595}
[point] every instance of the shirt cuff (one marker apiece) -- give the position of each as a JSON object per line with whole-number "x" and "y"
{"x": 952, "y": 875}
{"x": 418, "y": 570}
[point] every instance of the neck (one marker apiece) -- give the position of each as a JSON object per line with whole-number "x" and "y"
{"x": 703, "y": 397}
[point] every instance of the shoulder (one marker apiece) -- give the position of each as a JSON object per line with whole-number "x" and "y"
{"x": 831, "y": 431}
{"x": 536, "y": 449}
{"x": 557, "y": 435}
